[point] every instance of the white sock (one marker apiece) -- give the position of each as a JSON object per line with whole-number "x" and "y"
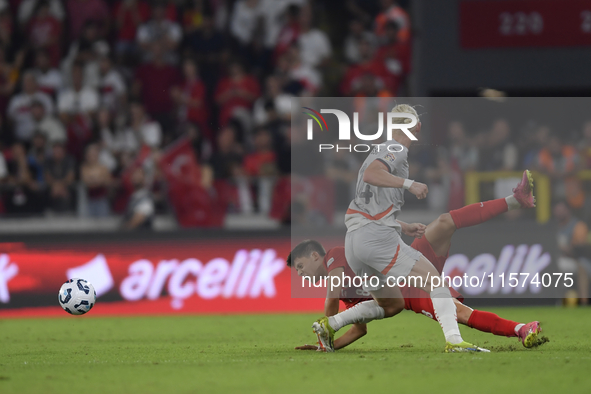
{"x": 518, "y": 327}
{"x": 445, "y": 312}
{"x": 364, "y": 312}
{"x": 512, "y": 203}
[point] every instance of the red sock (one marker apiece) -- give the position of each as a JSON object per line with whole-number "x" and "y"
{"x": 474, "y": 214}
{"x": 489, "y": 322}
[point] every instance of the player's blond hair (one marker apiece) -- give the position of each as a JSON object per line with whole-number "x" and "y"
{"x": 406, "y": 109}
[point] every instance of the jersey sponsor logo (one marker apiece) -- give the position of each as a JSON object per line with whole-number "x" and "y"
{"x": 330, "y": 261}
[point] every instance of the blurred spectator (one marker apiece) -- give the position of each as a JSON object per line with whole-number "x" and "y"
{"x": 161, "y": 31}
{"x": 395, "y": 57}
{"x": 60, "y": 171}
{"x": 107, "y": 144}
{"x": 87, "y": 51}
{"x": 351, "y": 82}
{"x": 244, "y": 20}
{"x": 227, "y": 159}
{"x": 572, "y": 235}
{"x": 280, "y": 101}
{"x": 139, "y": 214}
{"x": 24, "y": 194}
{"x": 37, "y": 156}
{"x": 82, "y": 11}
{"x": 193, "y": 15}
{"x": 153, "y": 82}
{"x": 261, "y": 166}
{"x": 190, "y": 97}
{"x": 47, "y": 125}
{"x": 314, "y": 44}
{"x": 77, "y": 106}
{"x": 500, "y": 153}
{"x": 96, "y": 179}
{"x": 584, "y": 146}
{"x": 207, "y": 45}
{"x": 275, "y": 13}
{"x": 8, "y": 79}
{"x": 201, "y": 146}
{"x": 19, "y": 108}
{"x": 114, "y": 140}
{"x": 357, "y": 33}
{"x": 342, "y": 169}
{"x": 236, "y": 91}
{"x": 461, "y": 150}
{"x": 289, "y": 32}
{"x": 145, "y": 131}
{"x": 392, "y": 12}
{"x": 129, "y": 15}
{"x": 300, "y": 79}
{"x": 561, "y": 162}
{"x": 7, "y": 33}
{"x": 48, "y": 78}
{"x": 27, "y": 9}
{"x": 538, "y": 142}
{"x": 44, "y": 31}
{"x": 261, "y": 162}
{"x": 112, "y": 85}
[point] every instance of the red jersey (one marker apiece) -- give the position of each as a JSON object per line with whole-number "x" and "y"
{"x": 335, "y": 258}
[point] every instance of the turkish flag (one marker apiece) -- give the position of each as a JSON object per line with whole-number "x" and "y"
{"x": 193, "y": 204}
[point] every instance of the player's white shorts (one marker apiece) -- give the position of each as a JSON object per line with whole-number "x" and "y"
{"x": 377, "y": 250}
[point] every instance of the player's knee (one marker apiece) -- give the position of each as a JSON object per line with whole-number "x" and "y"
{"x": 446, "y": 222}
{"x": 393, "y": 307}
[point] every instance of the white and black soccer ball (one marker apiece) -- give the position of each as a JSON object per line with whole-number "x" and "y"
{"x": 77, "y": 296}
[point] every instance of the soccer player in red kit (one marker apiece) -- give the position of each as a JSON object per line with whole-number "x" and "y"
{"x": 433, "y": 241}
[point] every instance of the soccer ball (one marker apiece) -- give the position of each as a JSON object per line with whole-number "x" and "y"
{"x": 77, "y": 296}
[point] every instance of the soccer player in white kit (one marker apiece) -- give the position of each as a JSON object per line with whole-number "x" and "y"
{"x": 374, "y": 248}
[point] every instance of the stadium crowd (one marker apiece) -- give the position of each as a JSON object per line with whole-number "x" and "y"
{"x": 89, "y": 87}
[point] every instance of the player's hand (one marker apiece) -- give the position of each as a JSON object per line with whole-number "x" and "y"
{"x": 309, "y": 347}
{"x": 419, "y": 189}
{"x": 416, "y": 230}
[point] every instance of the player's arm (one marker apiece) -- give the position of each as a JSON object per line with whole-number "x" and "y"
{"x": 331, "y": 305}
{"x": 415, "y": 230}
{"x": 356, "y": 331}
{"x": 378, "y": 174}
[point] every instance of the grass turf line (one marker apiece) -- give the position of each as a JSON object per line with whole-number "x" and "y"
{"x": 254, "y": 353}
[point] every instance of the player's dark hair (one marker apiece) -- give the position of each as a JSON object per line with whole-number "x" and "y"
{"x": 304, "y": 249}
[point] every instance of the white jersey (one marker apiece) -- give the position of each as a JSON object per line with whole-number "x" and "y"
{"x": 380, "y": 205}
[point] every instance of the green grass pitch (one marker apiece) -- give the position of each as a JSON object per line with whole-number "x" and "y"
{"x": 254, "y": 354}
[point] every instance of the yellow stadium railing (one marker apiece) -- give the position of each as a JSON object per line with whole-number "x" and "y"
{"x": 542, "y": 191}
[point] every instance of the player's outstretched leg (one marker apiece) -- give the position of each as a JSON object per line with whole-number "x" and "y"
{"x": 388, "y": 302}
{"x": 440, "y": 231}
{"x": 443, "y": 306}
{"x": 496, "y": 325}
{"x": 528, "y": 334}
